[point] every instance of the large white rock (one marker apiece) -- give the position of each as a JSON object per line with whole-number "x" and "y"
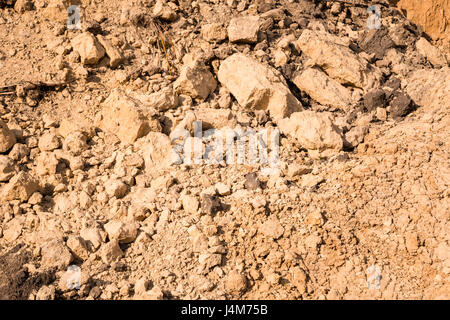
{"x": 256, "y": 86}
{"x": 323, "y": 89}
{"x": 313, "y": 130}
{"x": 331, "y": 54}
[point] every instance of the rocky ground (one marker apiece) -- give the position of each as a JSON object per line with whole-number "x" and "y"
{"x": 359, "y": 207}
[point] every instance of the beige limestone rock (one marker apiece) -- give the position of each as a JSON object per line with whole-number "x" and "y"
{"x": 429, "y": 88}
{"x": 256, "y": 86}
{"x": 20, "y": 187}
{"x": 215, "y": 118}
{"x": 157, "y": 151}
{"x": 125, "y": 117}
{"x": 111, "y": 251}
{"x": 331, "y": 54}
{"x": 312, "y": 130}
{"x": 46, "y": 163}
{"x": 161, "y": 100}
{"x": 90, "y": 50}
{"x": 114, "y": 54}
{"x": 7, "y": 138}
{"x": 214, "y": 32}
{"x": 195, "y": 80}
{"x": 236, "y": 282}
{"x": 124, "y": 232}
{"x": 244, "y": 29}
{"x": 323, "y": 89}
{"x": 56, "y": 254}
{"x": 433, "y": 54}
